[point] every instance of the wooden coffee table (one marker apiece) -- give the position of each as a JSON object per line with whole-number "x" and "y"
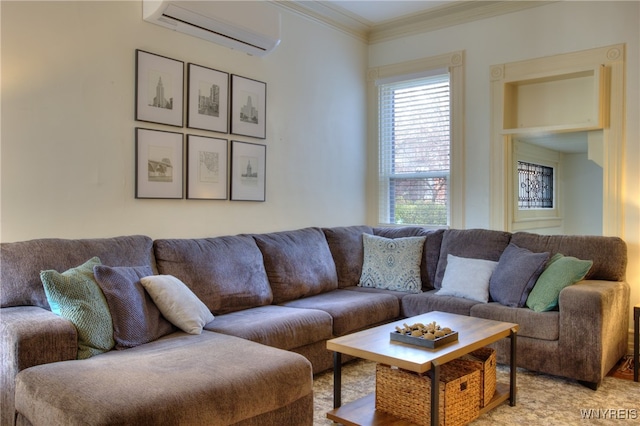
{"x": 375, "y": 344}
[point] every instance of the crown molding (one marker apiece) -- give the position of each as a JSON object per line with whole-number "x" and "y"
{"x": 453, "y": 13}
{"x": 329, "y": 14}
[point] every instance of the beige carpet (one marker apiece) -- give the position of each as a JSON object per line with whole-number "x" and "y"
{"x": 542, "y": 399}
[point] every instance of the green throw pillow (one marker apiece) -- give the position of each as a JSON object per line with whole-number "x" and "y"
{"x": 76, "y": 296}
{"x": 560, "y": 272}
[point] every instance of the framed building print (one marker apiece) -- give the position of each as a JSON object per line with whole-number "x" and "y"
{"x": 159, "y": 163}
{"x": 208, "y": 99}
{"x": 248, "y": 107}
{"x": 248, "y": 171}
{"x": 206, "y": 168}
{"x": 159, "y": 89}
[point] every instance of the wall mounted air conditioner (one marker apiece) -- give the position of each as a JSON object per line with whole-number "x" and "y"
{"x": 252, "y": 27}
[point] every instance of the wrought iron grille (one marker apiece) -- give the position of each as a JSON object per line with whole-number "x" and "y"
{"x": 535, "y": 186}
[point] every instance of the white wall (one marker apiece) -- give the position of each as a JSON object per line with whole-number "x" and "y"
{"x": 582, "y": 195}
{"x": 547, "y": 30}
{"x": 68, "y": 157}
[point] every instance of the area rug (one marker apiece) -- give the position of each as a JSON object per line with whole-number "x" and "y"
{"x": 541, "y": 400}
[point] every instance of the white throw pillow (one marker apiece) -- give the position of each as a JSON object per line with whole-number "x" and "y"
{"x": 468, "y": 278}
{"x": 177, "y": 303}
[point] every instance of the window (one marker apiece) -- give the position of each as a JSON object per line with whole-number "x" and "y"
{"x": 414, "y": 119}
{"x": 537, "y": 178}
{"x": 535, "y": 186}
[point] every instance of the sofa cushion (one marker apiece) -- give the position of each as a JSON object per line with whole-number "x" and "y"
{"x": 392, "y": 263}
{"x": 536, "y": 325}
{"x": 206, "y": 379}
{"x": 345, "y": 244}
{"x": 298, "y": 263}
{"x": 351, "y": 311}
{"x": 562, "y": 271}
{"x": 472, "y": 243}
{"x": 177, "y": 303}
{"x": 609, "y": 254}
{"x": 515, "y": 275}
{"x": 21, "y": 262}
{"x": 467, "y": 278}
{"x": 416, "y": 304}
{"x": 136, "y": 319}
{"x": 226, "y": 273}
{"x": 430, "y": 253}
{"x": 278, "y": 326}
{"x": 75, "y": 295}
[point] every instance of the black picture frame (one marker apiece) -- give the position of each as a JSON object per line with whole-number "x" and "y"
{"x": 248, "y": 171}
{"x": 159, "y": 164}
{"x": 248, "y": 107}
{"x": 208, "y": 99}
{"x": 159, "y": 89}
{"x": 207, "y": 168}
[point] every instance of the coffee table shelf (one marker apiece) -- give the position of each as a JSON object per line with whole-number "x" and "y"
{"x": 374, "y": 344}
{"x": 362, "y": 412}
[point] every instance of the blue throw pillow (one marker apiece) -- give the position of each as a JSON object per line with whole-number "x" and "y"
{"x": 517, "y": 272}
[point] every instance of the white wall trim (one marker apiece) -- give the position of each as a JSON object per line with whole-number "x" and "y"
{"x": 613, "y": 59}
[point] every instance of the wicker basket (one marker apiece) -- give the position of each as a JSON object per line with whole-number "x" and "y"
{"x": 407, "y": 395}
{"x": 485, "y": 359}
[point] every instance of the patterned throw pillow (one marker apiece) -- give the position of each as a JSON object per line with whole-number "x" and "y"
{"x": 392, "y": 263}
{"x": 76, "y": 296}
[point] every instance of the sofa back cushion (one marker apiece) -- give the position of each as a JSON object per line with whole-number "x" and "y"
{"x": 470, "y": 243}
{"x": 430, "y": 253}
{"x": 21, "y": 262}
{"x": 347, "y": 251}
{"x": 226, "y": 273}
{"x": 609, "y": 254}
{"x": 298, "y": 263}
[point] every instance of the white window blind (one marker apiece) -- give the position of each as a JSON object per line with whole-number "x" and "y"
{"x": 415, "y": 140}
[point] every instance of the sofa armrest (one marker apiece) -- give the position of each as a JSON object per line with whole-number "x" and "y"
{"x": 594, "y": 323}
{"x": 30, "y": 336}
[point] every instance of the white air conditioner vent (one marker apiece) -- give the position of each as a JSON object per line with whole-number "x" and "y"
{"x": 252, "y": 27}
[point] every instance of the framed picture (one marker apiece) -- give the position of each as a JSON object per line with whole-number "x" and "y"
{"x": 248, "y": 171}
{"x": 206, "y": 168}
{"x": 208, "y": 99}
{"x": 158, "y": 164}
{"x": 159, "y": 89}
{"x": 248, "y": 107}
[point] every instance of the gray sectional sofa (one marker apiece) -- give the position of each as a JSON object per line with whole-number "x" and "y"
{"x": 276, "y": 299}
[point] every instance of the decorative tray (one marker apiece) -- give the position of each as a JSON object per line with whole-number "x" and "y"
{"x": 404, "y": 336}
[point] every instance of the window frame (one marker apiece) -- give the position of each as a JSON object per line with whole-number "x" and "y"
{"x": 454, "y": 63}
{"x": 536, "y": 218}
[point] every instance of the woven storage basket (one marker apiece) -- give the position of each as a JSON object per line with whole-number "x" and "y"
{"x": 407, "y": 395}
{"x": 485, "y": 359}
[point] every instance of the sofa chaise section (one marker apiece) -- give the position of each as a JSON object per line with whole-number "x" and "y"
{"x": 30, "y": 333}
{"x": 180, "y": 379}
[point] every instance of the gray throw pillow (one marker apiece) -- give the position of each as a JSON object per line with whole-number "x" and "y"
{"x": 136, "y": 318}
{"x": 517, "y": 272}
